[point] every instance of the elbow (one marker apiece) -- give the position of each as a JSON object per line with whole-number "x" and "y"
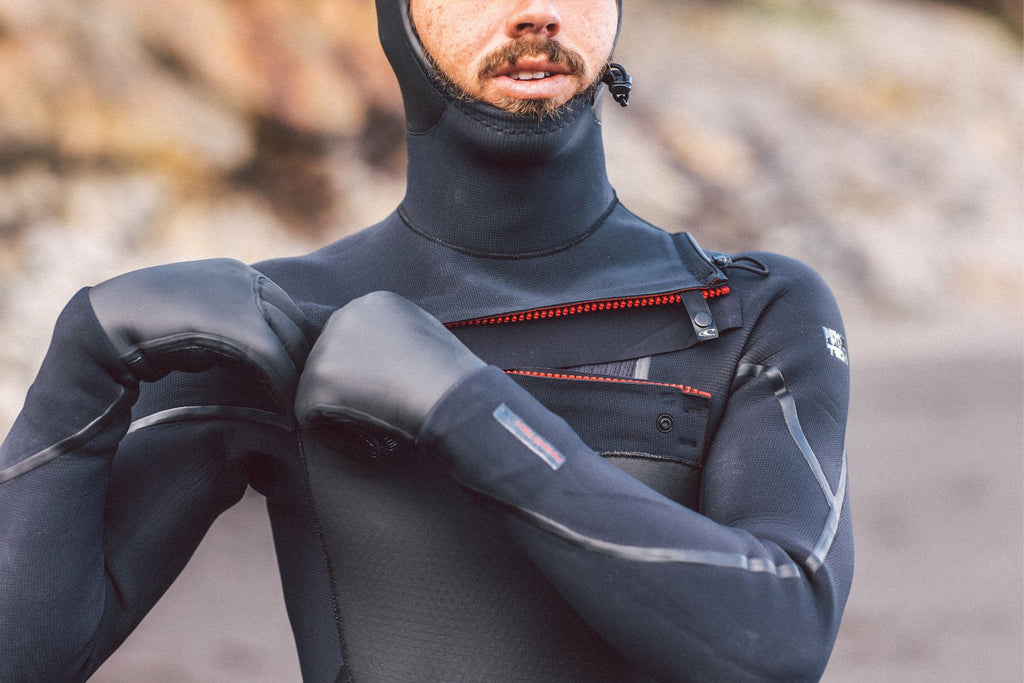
{"x": 800, "y": 656}
{"x": 776, "y": 638}
{"x": 754, "y": 657}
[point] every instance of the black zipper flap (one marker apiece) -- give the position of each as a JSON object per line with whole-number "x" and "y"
{"x": 599, "y": 331}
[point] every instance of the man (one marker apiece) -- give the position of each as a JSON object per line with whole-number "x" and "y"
{"x": 537, "y": 439}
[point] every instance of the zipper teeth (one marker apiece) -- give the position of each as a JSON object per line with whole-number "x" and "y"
{"x": 586, "y": 307}
{"x": 623, "y": 380}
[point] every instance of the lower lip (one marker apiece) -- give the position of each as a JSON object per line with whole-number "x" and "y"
{"x": 534, "y": 89}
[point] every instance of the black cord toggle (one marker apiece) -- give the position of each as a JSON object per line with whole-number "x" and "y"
{"x": 619, "y": 83}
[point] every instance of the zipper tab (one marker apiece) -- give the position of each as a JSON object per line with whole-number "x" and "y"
{"x": 697, "y": 309}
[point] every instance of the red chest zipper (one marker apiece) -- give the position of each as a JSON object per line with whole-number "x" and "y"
{"x": 592, "y": 378}
{"x": 595, "y": 306}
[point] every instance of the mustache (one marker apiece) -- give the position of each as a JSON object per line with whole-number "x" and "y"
{"x": 512, "y": 52}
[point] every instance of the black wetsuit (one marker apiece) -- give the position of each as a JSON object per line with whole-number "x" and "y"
{"x": 687, "y": 520}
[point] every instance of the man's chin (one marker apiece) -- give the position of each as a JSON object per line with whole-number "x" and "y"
{"x": 536, "y": 109}
{"x": 539, "y": 109}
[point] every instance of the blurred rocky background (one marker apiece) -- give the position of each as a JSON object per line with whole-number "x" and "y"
{"x": 879, "y": 140}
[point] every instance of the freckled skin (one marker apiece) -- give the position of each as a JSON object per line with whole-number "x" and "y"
{"x": 459, "y": 34}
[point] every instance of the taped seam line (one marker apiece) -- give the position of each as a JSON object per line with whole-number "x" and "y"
{"x": 828, "y": 534}
{"x": 191, "y": 413}
{"x": 789, "y": 413}
{"x": 62, "y": 447}
{"x": 648, "y": 554}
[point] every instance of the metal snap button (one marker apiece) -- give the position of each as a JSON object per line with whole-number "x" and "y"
{"x": 665, "y": 423}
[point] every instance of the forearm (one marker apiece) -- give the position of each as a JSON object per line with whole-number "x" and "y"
{"x": 679, "y": 593}
{"x": 81, "y": 397}
{"x": 90, "y": 541}
{"x": 54, "y": 472}
{"x": 97, "y": 522}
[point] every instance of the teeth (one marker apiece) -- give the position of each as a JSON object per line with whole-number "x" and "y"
{"x": 530, "y": 75}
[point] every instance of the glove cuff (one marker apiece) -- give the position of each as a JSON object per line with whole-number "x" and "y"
{"x": 496, "y": 436}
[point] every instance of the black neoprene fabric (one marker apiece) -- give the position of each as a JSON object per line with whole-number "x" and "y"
{"x": 690, "y": 524}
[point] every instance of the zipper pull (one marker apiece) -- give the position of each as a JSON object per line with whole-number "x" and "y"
{"x": 700, "y": 316}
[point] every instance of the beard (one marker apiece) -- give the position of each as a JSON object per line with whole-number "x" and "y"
{"x": 508, "y": 55}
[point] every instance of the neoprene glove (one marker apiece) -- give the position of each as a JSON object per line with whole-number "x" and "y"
{"x": 195, "y": 315}
{"x": 381, "y": 360}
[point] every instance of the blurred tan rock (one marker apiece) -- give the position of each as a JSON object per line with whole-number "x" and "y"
{"x": 717, "y": 155}
{"x": 180, "y": 84}
{"x": 84, "y": 86}
{"x": 880, "y": 142}
{"x": 309, "y": 64}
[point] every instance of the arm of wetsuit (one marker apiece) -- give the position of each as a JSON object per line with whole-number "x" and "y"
{"x": 73, "y": 586}
{"x": 752, "y": 589}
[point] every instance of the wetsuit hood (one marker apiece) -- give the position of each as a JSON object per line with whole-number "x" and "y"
{"x": 425, "y": 100}
{"x": 484, "y": 181}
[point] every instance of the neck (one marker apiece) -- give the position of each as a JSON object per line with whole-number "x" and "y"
{"x": 483, "y": 182}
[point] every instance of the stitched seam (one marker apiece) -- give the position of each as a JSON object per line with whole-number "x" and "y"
{"x": 327, "y": 559}
{"x": 508, "y": 256}
{"x": 629, "y": 455}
